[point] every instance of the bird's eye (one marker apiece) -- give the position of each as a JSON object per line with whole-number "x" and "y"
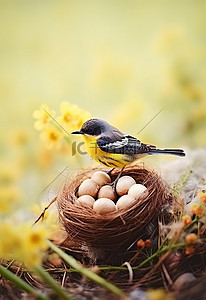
{"x": 91, "y": 131}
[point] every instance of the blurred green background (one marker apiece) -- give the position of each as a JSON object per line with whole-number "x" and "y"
{"x": 120, "y": 60}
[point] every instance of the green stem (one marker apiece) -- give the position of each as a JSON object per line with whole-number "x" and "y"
{"x": 52, "y": 283}
{"x": 21, "y": 283}
{"x": 86, "y": 272}
{"x": 116, "y": 268}
{"x": 196, "y": 219}
{"x": 158, "y": 252}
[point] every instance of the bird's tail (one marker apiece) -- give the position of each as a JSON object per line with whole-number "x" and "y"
{"x": 178, "y": 152}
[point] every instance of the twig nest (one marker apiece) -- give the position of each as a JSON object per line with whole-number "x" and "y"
{"x": 104, "y": 205}
{"x": 88, "y": 187}
{"x": 123, "y": 185}
{"x": 112, "y": 222}
{"x": 101, "y": 178}
{"x": 85, "y": 200}
{"x": 107, "y": 191}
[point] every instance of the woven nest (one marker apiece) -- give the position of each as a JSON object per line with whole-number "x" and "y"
{"x": 115, "y": 231}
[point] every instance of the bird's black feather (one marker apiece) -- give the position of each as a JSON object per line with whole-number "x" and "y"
{"x": 123, "y": 144}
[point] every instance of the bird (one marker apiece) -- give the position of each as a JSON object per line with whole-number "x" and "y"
{"x": 112, "y": 148}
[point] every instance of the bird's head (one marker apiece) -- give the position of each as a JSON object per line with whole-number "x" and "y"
{"x": 93, "y": 127}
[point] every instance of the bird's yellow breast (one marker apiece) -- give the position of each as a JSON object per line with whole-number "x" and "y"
{"x": 111, "y": 160}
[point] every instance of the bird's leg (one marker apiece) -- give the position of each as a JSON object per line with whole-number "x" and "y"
{"x": 114, "y": 183}
{"x": 110, "y": 171}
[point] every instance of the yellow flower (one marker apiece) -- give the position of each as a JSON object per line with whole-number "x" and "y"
{"x": 36, "y": 237}
{"x": 42, "y": 117}
{"x": 72, "y": 117}
{"x": 68, "y": 111}
{"x": 35, "y": 242}
{"x": 22, "y": 242}
{"x": 51, "y": 137}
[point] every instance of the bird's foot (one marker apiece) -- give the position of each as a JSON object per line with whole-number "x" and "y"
{"x": 114, "y": 183}
{"x": 110, "y": 171}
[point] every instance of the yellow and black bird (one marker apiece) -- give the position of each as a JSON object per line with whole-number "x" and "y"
{"x": 112, "y": 148}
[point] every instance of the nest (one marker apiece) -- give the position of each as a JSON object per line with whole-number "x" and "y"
{"x": 115, "y": 232}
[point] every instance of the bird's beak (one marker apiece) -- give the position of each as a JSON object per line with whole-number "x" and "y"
{"x": 77, "y": 132}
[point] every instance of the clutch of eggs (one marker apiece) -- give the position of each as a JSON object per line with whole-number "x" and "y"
{"x": 98, "y": 193}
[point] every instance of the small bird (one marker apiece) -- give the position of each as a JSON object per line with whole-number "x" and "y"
{"x": 112, "y": 148}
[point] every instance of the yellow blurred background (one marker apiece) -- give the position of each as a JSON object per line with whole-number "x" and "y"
{"x": 119, "y": 60}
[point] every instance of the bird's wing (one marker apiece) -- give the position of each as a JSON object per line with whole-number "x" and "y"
{"x": 123, "y": 144}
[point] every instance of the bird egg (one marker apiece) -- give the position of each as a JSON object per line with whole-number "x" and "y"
{"x": 138, "y": 191}
{"x": 101, "y": 178}
{"x": 88, "y": 187}
{"x": 124, "y": 201}
{"x": 85, "y": 200}
{"x": 123, "y": 185}
{"x": 107, "y": 191}
{"x": 104, "y": 206}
